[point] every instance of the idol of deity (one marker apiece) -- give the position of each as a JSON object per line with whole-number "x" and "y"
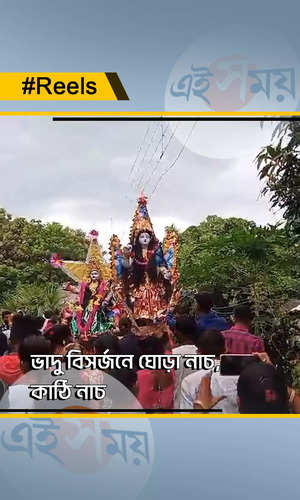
{"x": 96, "y": 310}
{"x": 146, "y": 271}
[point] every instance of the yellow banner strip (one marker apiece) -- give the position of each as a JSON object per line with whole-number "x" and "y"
{"x": 143, "y": 415}
{"x": 61, "y": 87}
{"x": 170, "y": 114}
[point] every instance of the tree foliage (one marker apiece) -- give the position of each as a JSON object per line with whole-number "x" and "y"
{"x": 248, "y": 264}
{"x": 231, "y": 254}
{"x": 279, "y": 166}
{"x": 35, "y": 298}
{"x": 26, "y": 247}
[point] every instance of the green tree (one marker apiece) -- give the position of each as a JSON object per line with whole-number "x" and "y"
{"x": 26, "y": 247}
{"x": 35, "y": 298}
{"x": 278, "y": 165}
{"x": 248, "y": 263}
{"x": 229, "y": 255}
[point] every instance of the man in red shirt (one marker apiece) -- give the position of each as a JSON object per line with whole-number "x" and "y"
{"x": 238, "y": 339}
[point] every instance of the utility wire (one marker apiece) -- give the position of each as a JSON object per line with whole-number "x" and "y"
{"x": 158, "y": 161}
{"x": 139, "y": 150}
{"x": 166, "y": 171}
{"x": 144, "y": 174}
{"x": 139, "y": 170}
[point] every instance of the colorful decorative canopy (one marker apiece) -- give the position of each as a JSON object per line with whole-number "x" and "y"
{"x": 141, "y": 220}
{"x": 170, "y": 249}
{"x": 115, "y": 255}
{"x": 80, "y": 271}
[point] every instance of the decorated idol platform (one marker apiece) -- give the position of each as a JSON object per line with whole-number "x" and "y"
{"x": 140, "y": 280}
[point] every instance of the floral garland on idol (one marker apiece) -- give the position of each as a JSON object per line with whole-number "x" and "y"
{"x": 100, "y": 296}
{"x": 150, "y": 254}
{"x": 78, "y": 271}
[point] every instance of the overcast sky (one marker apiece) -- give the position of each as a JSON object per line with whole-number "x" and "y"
{"x": 79, "y": 173}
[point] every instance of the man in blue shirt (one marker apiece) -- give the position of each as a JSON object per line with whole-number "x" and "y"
{"x": 207, "y": 319}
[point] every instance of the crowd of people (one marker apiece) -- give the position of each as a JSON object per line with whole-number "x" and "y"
{"x": 260, "y": 387}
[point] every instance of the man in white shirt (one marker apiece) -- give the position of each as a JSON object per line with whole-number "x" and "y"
{"x": 211, "y": 342}
{"x": 186, "y": 334}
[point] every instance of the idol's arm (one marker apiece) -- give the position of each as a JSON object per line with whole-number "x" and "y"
{"x": 164, "y": 271}
{"x": 127, "y": 262}
{"x": 71, "y": 288}
{"x": 107, "y": 299}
